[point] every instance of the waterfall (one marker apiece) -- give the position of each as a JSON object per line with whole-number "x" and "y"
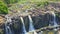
{"x": 54, "y": 19}
{"x": 30, "y": 24}
{"x": 7, "y": 27}
{"x": 31, "y": 27}
{"x": 24, "y": 30}
{"x": 8, "y": 30}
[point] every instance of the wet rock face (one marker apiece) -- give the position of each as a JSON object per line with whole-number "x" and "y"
{"x": 41, "y": 20}
{"x": 37, "y": 23}
{"x": 16, "y": 25}
{"x": 26, "y": 22}
{"x": 58, "y": 17}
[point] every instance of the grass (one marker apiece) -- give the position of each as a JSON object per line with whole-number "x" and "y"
{"x": 27, "y": 4}
{"x": 35, "y": 1}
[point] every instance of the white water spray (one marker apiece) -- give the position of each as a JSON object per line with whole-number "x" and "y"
{"x": 24, "y": 30}
{"x": 54, "y": 19}
{"x": 7, "y": 28}
{"x": 31, "y": 27}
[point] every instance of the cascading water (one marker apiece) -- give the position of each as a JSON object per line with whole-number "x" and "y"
{"x": 7, "y": 28}
{"x": 24, "y": 30}
{"x": 31, "y": 28}
{"x": 54, "y": 19}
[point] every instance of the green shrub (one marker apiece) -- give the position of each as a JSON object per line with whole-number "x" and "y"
{"x": 42, "y": 3}
{"x": 10, "y": 1}
{"x": 3, "y": 8}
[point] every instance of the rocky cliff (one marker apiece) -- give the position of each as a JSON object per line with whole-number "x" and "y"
{"x": 41, "y": 17}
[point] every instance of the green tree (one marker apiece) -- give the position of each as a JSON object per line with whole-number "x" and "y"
{"x": 3, "y": 8}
